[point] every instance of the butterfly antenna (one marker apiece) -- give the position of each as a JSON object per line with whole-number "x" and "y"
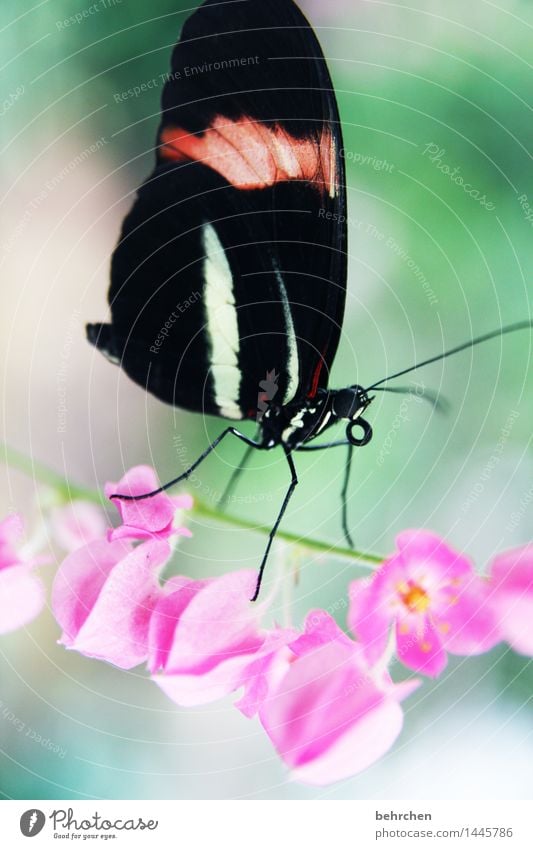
{"x": 437, "y": 401}
{"x": 502, "y": 331}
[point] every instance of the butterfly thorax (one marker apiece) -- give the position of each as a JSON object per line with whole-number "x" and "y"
{"x": 302, "y": 420}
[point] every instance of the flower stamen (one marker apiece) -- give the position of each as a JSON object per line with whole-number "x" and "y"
{"x": 414, "y": 597}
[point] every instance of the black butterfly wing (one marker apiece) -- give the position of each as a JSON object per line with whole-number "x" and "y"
{"x": 197, "y": 314}
{"x": 273, "y": 123}
{"x": 232, "y": 263}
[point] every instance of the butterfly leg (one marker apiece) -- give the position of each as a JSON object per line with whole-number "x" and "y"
{"x": 250, "y": 442}
{"x": 235, "y": 475}
{"x": 344, "y": 496}
{"x": 323, "y": 445}
{"x": 346, "y": 482}
{"x": 272, "y": 534}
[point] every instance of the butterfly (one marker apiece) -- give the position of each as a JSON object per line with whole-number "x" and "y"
{"x": 228, "y": 283}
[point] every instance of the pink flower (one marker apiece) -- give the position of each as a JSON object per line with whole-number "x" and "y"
{"x": 76, "y": 524}
{"x": 103, "y": 597}
{"x": 328, "y": 715}
{"x": 21, "y": 591}
{"x": 206, "y": 640}
{"x": 149, "y": 517}
{"x": 434, "y": 599}
{"x": 512, "y": 596}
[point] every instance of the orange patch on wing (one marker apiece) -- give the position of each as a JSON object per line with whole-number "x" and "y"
{"x": 250, "y": 155}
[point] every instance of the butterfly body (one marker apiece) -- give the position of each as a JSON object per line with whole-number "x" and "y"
{"x": 300, "y": 422}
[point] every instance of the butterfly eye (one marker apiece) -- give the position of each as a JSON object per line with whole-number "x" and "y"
{"x": 366, "y": 435}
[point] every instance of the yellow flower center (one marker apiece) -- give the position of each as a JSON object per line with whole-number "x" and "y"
{"x": 414, "y": 597}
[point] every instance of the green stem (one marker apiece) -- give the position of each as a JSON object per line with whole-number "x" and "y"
{"x": 201, "y": 509}
{"x": 70, "y": 492}
{"x": 65, "y": 488}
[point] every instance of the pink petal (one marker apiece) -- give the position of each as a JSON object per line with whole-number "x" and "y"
{"x": 218, "y": 622}
{"x": 514, "y": 569}
{"x": 512, "y": 597}
{"x": 327, "y": 719}
{"x": 319, "y": 628}
{"x": 370, "y": 616}
{"x": 423, "y": 552}
{"x": 179, "y": 592}
{"x": 116, "y": 629}
{"x": 147, "y": 517}
{"x": 183, "y": 501}
{"x": 255, "y": 688}
{"x": 419, "y": 646}
{"x": 206, "y": 637}
{"x": 266, "y": 671}
{"x": 11, "y": 530}
{"x": 199, "y": 688}
{"x": 469, "y": 626}
{"x": 515, "y": 617}
{"x": 364, "y": 743}
{"x": 181, "y": 531}
{"x": 76, "y": 524}
{"x": 404, "y": 689}
{"x": 132, "y": 532}
{"x": 79, "y": 581}
{"x": 22, "y": 597}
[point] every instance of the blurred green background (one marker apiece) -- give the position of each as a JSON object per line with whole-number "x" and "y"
{"x": 430, "y": 265}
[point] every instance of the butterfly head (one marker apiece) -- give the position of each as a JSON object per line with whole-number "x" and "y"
{"x": 349, "y": 404}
